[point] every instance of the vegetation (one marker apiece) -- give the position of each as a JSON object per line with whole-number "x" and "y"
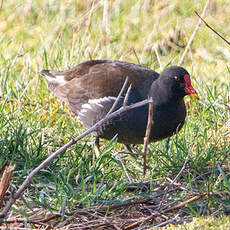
{"x": 34, "y": 123}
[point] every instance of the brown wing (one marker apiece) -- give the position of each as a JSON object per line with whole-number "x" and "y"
{"x": 101, "y": 78}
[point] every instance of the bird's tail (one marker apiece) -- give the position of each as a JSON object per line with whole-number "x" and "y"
{"x": 46, "y": 72}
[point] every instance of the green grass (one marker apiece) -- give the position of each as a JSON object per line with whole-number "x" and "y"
{"x": 33, "y": 122}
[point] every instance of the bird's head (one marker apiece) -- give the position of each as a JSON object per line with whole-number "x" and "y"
{"x": 176, "y": 80}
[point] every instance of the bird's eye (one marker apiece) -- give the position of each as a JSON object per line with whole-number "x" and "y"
{"x": 176, "y": 78}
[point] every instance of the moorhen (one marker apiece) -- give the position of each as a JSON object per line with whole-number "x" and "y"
{"x": 90, "y": 89}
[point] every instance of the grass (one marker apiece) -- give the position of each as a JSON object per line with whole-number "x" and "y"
{"x": 33, "y": 122}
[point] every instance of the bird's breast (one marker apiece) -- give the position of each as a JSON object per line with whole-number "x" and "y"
{"x": 168, "y": 119}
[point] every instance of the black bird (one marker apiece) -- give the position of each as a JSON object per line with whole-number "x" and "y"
{"x": 90, "y": 89}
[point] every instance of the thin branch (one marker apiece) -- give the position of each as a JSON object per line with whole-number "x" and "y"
{"x": 33, "y": 221}
{"x": 212, "y": 28}
{"x": 25, "y": 184}
{"x": 182, "y": 204}
{"x": 20, "y": 221}
{"x": 194, "y": 33}
{"x": 125, "y": 204}
{"x": 123, "y": 89}
{"x": 172, "y": 221}
{"x": 147, "y": 135}
{"x": 207, "y": 174}
{"x": 5, "y": 181}
{"x": 127, "y": 95}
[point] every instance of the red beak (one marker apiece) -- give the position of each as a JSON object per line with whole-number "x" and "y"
{"x": 188, "y": 87}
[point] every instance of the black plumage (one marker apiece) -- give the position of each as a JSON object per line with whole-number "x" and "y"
{"x": 90, "y": 89}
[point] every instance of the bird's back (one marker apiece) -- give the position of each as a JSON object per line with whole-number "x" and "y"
{"x": 97, "y": 79}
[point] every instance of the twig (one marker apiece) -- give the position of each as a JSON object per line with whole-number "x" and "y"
{"x": 147, "y": 135}
{"x": 127, "y": 96}
{"x": 126, "y": 204}
{"x": 26, "y": 182}
{"x": 116, "y": 227}
{"x": 19, "y": 221}
{"x": 34, "y": 221}
{"x": 201, "y": 17}
{"x": 193, "y": 34}
{"x": 172, "y": 221}
{"x": 124, "y": 87}
{"x": 5, "y": 182}
{"x": 50, "y": 218}
{"x": 208, "y": 173}
{"x": 94, "y": 226}
{"x": 182, "y": 204}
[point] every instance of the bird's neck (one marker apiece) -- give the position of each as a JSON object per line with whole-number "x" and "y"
{"x": 163, "y": 95}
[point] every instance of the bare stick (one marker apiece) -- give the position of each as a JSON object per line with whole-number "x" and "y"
{"x": 26, "y": 182}
{"x": 124, "y": 87}
{"x": 5, "y": 182}
{"x": 212, "y": 28}
{"x": 14, "y": 221}
{"x": 127, "y": 95}
{"x": 182, "y": 204}
{"x": 35, "y": 221}
{"x": 208, "y": 173}
{"x": 126, "y": 204}
{"x": 147, "y": 134}
{"x": 193, "y": 34}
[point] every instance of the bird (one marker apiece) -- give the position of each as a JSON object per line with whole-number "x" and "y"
{"x": 90, "y": 89}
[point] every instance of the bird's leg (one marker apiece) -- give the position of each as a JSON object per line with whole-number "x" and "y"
{"x": 128, "y": 147}
{"x": 132, "y": 155}
{"x": 97, "y": 147}
{"x": 167, "y": 144}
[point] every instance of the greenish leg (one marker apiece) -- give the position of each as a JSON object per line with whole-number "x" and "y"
{"x": 97, "y": 147}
